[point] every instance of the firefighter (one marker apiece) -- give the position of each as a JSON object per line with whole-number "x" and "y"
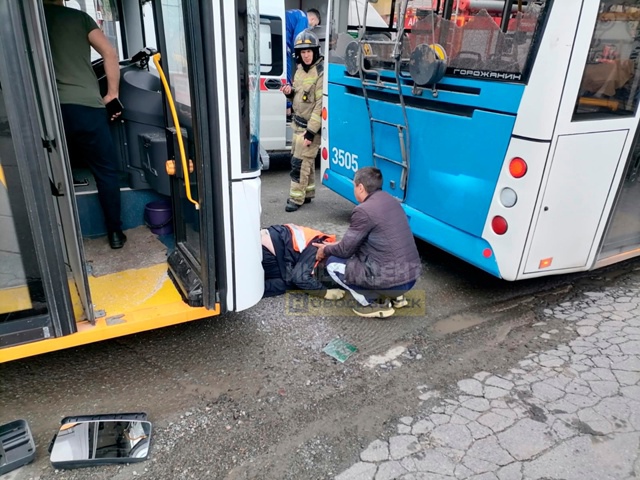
{"x": 306, "y": 94}
{"x": 289, "y": 262}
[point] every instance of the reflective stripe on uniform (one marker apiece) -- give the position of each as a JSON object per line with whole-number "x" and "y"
{"x": 297, "y": 234}
{"x": 302, "y": 236}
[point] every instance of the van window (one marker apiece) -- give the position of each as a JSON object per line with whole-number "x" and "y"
{"x": 265, "y": 47}
{"x": 271, "y": 45}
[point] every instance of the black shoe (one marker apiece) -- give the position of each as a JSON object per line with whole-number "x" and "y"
{"x": 117, "y": 239}
{"x": 291, "y": 207}
{"x": 80, "y": 183}
{"x": 307, "y": 200}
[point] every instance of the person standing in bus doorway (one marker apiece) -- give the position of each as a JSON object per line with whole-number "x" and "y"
{"x": 72, "y": 33}
{"x": 306, "y": 94}
{"x": 297, "y": 21}
{"x": 377, "y": 259}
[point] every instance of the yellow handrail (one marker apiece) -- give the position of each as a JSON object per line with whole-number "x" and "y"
{"x": 174, "y": 114}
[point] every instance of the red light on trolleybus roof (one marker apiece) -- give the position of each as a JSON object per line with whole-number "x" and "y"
{"x": 517, "y": 167}
{"x": 499, "y": 225}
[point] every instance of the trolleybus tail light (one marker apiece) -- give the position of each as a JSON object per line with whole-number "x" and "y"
{"x": 499, "y": 225}
{"x": 325, "y": 153}
{"x": 326, "y": 176}
{"x": 517, "y": 167}
{"x": 486, "y": 253}
{"x": 324, "y": 114}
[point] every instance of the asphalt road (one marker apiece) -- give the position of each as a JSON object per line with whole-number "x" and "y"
{"x": 252, "y": 395}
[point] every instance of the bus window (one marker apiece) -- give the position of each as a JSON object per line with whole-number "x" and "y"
{"x": 148, "y": 20}
{"x": 105, "y": 13}
{"x": 249, "y": 82}
{"x": 478, "y": 40}
{"x": 611, "y": 79}
{"x": 176, "y": 55}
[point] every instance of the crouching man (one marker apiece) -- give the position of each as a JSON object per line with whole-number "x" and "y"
{"x": 289, "y": 262}
{"x": 377, "y": 259}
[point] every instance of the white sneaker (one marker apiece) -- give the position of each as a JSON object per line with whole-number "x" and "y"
{"x": 399, "y": 302}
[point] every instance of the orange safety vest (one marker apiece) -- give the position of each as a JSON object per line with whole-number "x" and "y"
{"x": 302, "y": 236}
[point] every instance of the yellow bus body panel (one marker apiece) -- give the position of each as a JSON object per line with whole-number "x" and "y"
{"x": 133, "y": 301}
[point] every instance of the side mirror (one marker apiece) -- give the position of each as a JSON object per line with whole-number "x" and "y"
{"x": 101, "y": 439}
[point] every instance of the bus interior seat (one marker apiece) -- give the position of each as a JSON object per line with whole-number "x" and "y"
{"x": 140, "y": 138}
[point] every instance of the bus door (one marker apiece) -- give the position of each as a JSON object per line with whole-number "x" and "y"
{"x": 593, "y": 146}
{"x": 41, "y": 271}
{"x": 181, "y": 41}
{"x": 622, "y": 236}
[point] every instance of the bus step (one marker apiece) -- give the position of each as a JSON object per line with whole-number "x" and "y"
{"x": 379, "y": 42}
{"x": 390, "y": 160}
{"x": 370, "y": 83}
{"x": 391, "y": 124}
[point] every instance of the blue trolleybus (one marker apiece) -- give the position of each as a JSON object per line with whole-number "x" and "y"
{"x": 508, "y": 129}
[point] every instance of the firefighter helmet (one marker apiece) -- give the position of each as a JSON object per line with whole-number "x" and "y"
{"x": 306, "y": 40}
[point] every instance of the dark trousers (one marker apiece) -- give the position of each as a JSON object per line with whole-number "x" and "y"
{"x": 336, "y": 269}
{"x": 89, "y": 141}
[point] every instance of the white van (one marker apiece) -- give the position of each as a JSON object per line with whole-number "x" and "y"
{"x": 275, "y": 133}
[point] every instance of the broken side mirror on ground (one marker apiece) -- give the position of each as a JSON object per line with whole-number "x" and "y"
{"x": 17, "y": 447}
{"x": 92, "y": 440}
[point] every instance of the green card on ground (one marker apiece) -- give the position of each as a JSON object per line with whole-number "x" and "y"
{"x": 339, "y": 349}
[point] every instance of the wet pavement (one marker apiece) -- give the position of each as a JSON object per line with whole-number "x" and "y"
{"x": 252, "y": 395}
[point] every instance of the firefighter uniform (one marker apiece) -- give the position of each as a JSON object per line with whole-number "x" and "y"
{"x": 306, "y": 96}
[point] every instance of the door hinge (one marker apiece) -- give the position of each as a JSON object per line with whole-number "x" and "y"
{"x": 48, "y": 145}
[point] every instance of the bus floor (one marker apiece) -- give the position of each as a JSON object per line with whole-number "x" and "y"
{"x": 120, "y": 280}
{"x": 133, "y": 277}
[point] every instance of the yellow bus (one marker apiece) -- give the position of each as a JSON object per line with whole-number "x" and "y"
{"x": 187, "y": 145}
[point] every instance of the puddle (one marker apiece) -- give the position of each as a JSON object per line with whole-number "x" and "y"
{"x": 455, "y": 323}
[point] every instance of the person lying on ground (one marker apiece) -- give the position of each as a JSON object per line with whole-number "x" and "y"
{"x": 289, "y": 262}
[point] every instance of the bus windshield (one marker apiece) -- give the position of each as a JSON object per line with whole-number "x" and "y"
{"x": 487, "y": 39}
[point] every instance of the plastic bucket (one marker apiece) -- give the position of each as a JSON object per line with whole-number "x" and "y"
{"x": 159, "y": 217}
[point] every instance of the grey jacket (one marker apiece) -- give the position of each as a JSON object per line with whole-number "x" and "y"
{"x": 379, "y": 245}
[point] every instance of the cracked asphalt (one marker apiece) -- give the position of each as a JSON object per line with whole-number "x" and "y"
{"x": 487, "y": 379}
{"x": 570, "y": 413}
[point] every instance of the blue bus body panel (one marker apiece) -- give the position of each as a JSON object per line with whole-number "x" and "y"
{"x": 496, "y": 96}
{"x": 458, "y": 143}
{"x": 431, "y": 230}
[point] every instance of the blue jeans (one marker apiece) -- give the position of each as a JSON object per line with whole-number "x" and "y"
{"x": 336, "y": 269}
{"x": 89, "y": 140}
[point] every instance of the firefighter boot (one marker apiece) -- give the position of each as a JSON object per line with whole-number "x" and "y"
{"x": 291, "y": 207}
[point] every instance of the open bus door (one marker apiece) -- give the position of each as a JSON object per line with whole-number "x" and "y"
{"x": 191, "y": 266}
{"x": 43, "y": 283}
{"x": 206, "y": 137}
